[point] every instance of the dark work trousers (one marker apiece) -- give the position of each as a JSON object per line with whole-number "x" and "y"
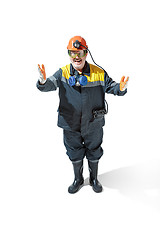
{"x": 88, "y": 145}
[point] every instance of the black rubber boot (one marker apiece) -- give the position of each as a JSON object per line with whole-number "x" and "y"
{"x": 79, "y": 180}
{"x": 93, "y": 168}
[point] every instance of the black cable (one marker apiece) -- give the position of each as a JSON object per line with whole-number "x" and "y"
{"x": 92, "y": 57}
{"x": 77, "y": 45}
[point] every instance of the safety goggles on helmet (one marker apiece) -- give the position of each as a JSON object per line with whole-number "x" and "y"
{"x": 80, "y": 53}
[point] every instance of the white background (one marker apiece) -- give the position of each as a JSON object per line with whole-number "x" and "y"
{"x": 35, "y": 172}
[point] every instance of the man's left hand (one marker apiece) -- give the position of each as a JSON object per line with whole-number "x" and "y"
{"x": 123, "y": 84}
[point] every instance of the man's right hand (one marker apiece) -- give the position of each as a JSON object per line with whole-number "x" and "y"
{"x": 42, "y": 74}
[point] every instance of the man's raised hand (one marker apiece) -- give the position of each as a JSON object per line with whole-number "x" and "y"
{"x": 42, "y": 74}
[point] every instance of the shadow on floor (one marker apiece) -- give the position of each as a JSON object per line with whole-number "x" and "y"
{"x": 140, "y": 182}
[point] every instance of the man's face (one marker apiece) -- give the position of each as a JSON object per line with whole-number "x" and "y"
{"x": 78, "y": 59}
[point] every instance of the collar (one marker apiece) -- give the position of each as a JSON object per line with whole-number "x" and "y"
{"x": 86, "y": 70}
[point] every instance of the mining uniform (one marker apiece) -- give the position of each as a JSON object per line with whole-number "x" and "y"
{"x": 83, "y": 133}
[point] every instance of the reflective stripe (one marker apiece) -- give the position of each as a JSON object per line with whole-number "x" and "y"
{"x": 113, "y": 84}
{"x": 54, "y": 80}
{"x": 94, "y": 84}
{"x": 63, "y": 79}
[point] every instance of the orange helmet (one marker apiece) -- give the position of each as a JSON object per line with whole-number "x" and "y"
{"x": 73, "y": 39}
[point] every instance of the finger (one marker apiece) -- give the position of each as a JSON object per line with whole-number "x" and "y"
{"x": 39, "y": 67}
{"x": 43, "y": 66}
{"x": 122, "y": 79}
{"x": 126, "y": 85}
{"x": 126, "y": 80}
{"x": 42, "y": 69}
{"x": 39, "y": 70}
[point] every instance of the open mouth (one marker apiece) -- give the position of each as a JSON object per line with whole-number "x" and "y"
{"x": 77, "y": 61}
